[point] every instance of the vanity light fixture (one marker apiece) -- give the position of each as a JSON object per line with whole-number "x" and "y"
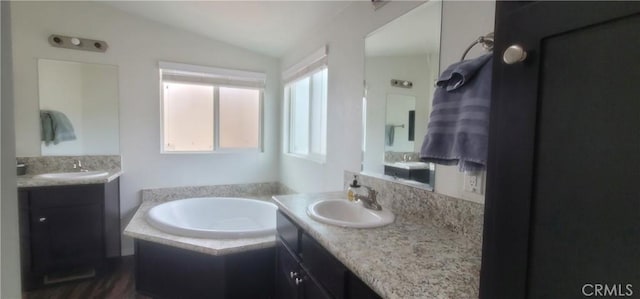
{"x": 77, "y": 43}
{"x": 401, "y": 83}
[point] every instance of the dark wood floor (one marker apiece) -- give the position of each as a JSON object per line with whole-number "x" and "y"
{"x": 119, "y": 284}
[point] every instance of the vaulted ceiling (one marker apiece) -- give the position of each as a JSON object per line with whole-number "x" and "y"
{"x": 268, "y": 27}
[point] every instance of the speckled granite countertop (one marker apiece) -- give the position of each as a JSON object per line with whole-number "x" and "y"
{"x": 406, "y": 259}
{"x": 27, "y": 181}
{"x": 139, "y": 228}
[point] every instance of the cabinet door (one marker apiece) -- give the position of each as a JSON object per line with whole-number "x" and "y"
{"x": 562, "y": 205}
{"x": 67, "y": 228}
{"x": 324, "y": 267}
{"x": 357, "y": 289}
{"x": 287, "y": 270}
{"x": 313, "y": 290}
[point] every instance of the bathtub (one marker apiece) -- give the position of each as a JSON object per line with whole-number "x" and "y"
{"x": 215, "y": 217}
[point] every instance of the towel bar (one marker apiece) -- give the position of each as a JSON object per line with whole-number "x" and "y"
{"x": 486, "y": 41}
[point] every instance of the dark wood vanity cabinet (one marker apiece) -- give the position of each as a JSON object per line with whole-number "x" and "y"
{"x": 68, "y": 231}
{"x": 305, "y": 270}
{"x": 562, "y": 205}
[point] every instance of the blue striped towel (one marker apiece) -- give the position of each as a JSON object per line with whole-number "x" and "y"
{"x": 458, "y": 127}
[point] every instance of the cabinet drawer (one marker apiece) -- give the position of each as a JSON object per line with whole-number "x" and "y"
{"x": 325, "y": 268}
{"x": 288, "y": 232}
{"x": 58, "y": 197}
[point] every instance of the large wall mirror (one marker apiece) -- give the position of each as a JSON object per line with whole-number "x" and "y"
{"x": 78, "y": 108}
{"x": 401, "y": 66}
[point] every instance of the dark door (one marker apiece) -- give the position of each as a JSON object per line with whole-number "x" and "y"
{"x": 562, "y": 216}
{"x": 67, "y": 228}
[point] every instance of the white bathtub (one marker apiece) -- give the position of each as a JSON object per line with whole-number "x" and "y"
{"x": 215, "y": 217}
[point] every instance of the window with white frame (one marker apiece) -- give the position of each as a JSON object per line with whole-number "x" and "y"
{"x": 206, "y": 110}
{"x": 305, "y": 95}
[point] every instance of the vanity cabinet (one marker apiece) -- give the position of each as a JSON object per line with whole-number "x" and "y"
{"x": 306, "y": 270}
{"x": 68, "y": 232}
{"x": 418, "y": 175}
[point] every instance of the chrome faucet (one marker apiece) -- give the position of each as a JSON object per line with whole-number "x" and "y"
{"x": 370, "y": 200}
{"x": 77, "y": 166}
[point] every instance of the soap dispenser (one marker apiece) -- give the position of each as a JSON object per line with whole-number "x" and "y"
{"x": 354, "y": 190}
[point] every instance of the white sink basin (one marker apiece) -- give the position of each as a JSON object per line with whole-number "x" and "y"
{"x": 342, "y": 212}
{"x": 71, "y": 175}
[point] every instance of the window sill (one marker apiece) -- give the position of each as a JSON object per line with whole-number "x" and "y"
{"x": 316, "y": 159}
{"x": 220, "y": 151}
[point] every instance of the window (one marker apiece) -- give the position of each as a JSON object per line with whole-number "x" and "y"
{"x": 207, "y": 110}
{"x": 306, "y": 108}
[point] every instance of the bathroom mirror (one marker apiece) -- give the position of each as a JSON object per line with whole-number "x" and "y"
{"x": 78, "y": 108}
{"x": 401, "y": 66}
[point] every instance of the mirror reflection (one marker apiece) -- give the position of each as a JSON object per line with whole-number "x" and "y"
{"x": 78, "y": 108}
{"x": 401, "y": 66}
{"x": 399, "y": 130}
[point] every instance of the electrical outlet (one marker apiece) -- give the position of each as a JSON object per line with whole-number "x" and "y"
{"x": 473, "y": 182}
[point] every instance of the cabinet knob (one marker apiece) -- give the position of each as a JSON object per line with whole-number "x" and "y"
{"x": 514, "y": 54}
{"x": 42, "y": 219}
{"x": 299, "y": 281}
{"x": 293, "y": 274}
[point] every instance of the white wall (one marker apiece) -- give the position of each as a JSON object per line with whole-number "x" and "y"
{"x": 9, "y": 250}
{"x": 462, "y": 23}
{"x": 135, "y": 46}
{"x": 345, "y": 37}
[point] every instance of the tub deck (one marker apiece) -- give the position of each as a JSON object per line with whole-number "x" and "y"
{"x": 139, "y": 228}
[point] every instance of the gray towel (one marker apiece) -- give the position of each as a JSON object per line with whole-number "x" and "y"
{"x": 390, "y": 132}
{"x": 458, "y": 127}
{"x": 55, "y": 127}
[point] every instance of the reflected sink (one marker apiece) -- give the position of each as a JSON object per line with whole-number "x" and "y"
{"x": 85, "y": 175}
{"x": 409, "y": 165}
{"x": 341, "y": 212}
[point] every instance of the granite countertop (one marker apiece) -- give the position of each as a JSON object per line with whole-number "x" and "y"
{"x": 410, "y": 258}
{"x": 27, "y": 181}
{"x": 139, "y": 228}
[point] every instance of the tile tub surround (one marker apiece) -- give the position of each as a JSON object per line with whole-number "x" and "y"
{"x": 139, "y": 228}
{"x": 46, "y": 164}
{"x": 409, "y": 258}
{"x": 236, "y": 190}
{"x": 458, "y": 215}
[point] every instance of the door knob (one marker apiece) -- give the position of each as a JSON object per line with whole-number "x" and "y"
{"x": 42, "y": 219}
{"x": 514, "y": 54}
{"x": 293, "y": 274}
{"x": 299, "y": 281}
